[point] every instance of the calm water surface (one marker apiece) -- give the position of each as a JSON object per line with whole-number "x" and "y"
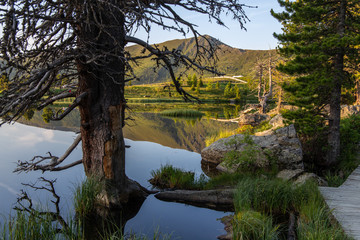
{"x": 22, "y": 142}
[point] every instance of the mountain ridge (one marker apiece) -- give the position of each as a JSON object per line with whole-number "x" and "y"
{"x": 231, "y": 61}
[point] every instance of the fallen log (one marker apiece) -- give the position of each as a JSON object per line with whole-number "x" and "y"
{"x": 220, "y": 199}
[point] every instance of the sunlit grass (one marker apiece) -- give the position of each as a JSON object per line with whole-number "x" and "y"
{"x": 169, "y": 177}
{"x": 222, "y": 134}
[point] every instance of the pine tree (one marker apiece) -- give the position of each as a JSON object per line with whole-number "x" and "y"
{"x": 189, "y": 80}
{"x": 237, "y": 92}
{"x": 228, "y": 90}
{"x": 201, "y": 83}
{"x": 319, "y": 38}
{"x": 194, "y": 80}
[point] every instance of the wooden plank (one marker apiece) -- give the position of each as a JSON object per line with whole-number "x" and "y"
{"x": 344, "y": 202}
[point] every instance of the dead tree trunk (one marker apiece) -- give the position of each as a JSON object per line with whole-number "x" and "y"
{"x": 279, "y": 101}
{"x": 266, "y": 95}
{"x": 357, "y": 91}
{"x": 102, "y": 112}
{"x": 270, "y": 78}
{"x": 260, "y": 69}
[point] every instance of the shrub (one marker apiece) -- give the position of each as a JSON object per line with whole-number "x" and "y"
{"x": 246, "y": 160}
{"x": 245, "y": 129}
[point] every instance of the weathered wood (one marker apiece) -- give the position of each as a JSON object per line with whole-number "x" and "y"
{"x": 344, "y": 202}
{"x": 221, "y": 199}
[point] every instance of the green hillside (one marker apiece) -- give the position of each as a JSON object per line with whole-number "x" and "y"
{"x": 231, "y": 61}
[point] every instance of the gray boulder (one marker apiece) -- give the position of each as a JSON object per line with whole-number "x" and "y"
{"x": 289, "y": 174}
{"x": 255, "y": 158}
{"x": 310, "y": 176}
{"x": 252, "y": 119}
{"x": 281, "y": 145}
{"x": 277, "y": 121}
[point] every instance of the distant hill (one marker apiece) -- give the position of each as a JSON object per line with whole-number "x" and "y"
{"x": 231, "y": 61}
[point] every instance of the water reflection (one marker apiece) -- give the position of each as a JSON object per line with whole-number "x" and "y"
{"x": 189, "y": 134}
{"x": 20, "y": 141}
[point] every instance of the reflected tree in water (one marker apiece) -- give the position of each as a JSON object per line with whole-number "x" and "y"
{"x": 57, "y": 49}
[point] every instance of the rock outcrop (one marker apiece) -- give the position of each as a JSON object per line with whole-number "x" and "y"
{"x": 299, "y": 177}
{"x": 277, "y": 121}
{"x": 281, "y": 146}
{"x": 252, "y": 119}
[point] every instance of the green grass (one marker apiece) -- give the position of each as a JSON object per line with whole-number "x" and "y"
{"x": 154, "y": 100}
{"x": 222, "y": 134}
{"x": 264, "y": 195}
{"x": 250, "y": 225}
{"x": 274, "y": 197}
{"x": 85, "y": 196}
{"x": 156, "y": 93}
{"x": 26, "y": 226}
{"x": 169, "y": 177}
{"x": 40, "y": 226}
{"x": 315, "y": 219}
{"x": 246, "y": 129}
{"x": 189, "y": 113}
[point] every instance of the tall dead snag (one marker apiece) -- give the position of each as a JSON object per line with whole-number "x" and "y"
{"x": 357, "y": 90}
{"x": 46, "y": 44}
{"x": 264, "y": 93}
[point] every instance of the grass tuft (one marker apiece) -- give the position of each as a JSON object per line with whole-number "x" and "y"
{"x": 85, "y": 196}
{"x": 29, "y": 226}
{"x": 169, "y": 177}
{"x": 249, "y": 225}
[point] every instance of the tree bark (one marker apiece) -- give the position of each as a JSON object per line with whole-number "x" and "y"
{"x": 333, "y": 152}
{"x": 260, "y": 97}
{"x": 279, "y": 100}
{"x": 102, "y": 112}
{"x": 270, "y": 78}
{"x": 357, "y": 93}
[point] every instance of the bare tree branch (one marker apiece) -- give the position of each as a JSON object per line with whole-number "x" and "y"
{"x": 48, "y": 163}
{"x": 25, "y": 203}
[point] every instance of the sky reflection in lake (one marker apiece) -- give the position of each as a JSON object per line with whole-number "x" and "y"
{"x": 22, "y": 142}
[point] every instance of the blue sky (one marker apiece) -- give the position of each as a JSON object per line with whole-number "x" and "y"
{"x": 258, "y": 35}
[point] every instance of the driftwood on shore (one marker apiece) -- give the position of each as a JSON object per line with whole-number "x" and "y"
{"x": 220, "y": 199}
